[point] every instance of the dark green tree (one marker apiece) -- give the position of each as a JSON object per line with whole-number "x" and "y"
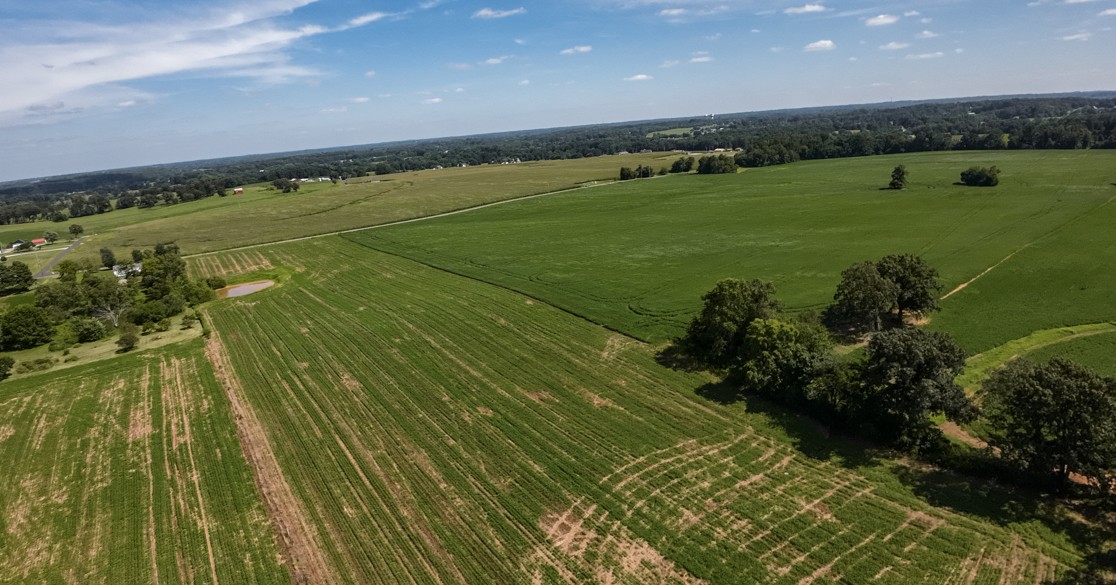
{"x": 24, "y": 327}
{"x": 6, "y": 365}
{"x": 129, "y": 337}
{"x": 76, "y": 230}
{"x": 898, "y": 177}
{"x": 716, "y": 165}
{"x": 626, "y": 174}
{"x": 862, "y": 297}
{"x": 87, "y": 329}
{"x": 907, "y": 378}
{"x": 67, "y": 270}
{"x": 1057, "y": 418}
{"x": 15, "y": 277}
{"x": 716, "y": 335}
{"x": 981, "y": 176}
{"x": 917, "y": 282}
{"x": 108, "y": 258}
{"x": 780, "y": 358}
{"x": 50, "y": 237}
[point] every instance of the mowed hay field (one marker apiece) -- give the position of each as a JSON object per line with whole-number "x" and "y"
{"x": 430, "y": 428}
{"x": 129, "y": 471}
{"x": 263, "y": 214}
{"x": 637, "y": 256}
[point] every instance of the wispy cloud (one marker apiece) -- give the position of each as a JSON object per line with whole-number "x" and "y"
{"x": 1083, "y": 36}
{"x": 894, "y": 46}
{"x": 495, "y": 60}
{"x": 882, "y": 20}
{"x": 85, "y": 67}
{"x": 576, "y": 50}
{"x": 921, "y": 56}
{"x": 639, "y": 77}
{"x": 360, "y": 100}
{"x": 432, "y": 101}
{"x": 822, "y": 45}
{"x": 926, "y": 34}
{"x": 806, "y": 9}
{"x": 1109, "y": 12}
{"x": 489, "y": 14}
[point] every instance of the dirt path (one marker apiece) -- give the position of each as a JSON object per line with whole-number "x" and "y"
{"x": 297, "y": 536}
{"x": 398, "y": 222}
{"x": 977, "y": 277}
{"x": 47, "y": 269}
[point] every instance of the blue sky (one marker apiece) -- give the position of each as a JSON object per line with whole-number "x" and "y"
{"x": 96, "y": 84}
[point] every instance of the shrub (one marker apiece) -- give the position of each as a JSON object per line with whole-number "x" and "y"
{"x": 6, "y": 364}
{"x": 215, "y": 282}
{"x": 129, "y": 337}
{"x": 86, "y": 329}
{"x": 981, "y": 176}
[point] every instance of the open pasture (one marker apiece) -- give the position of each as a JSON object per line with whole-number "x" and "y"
{"x": 263, "y": 214}
{"x": 637, "y": 256}
{"x": 410, "y": 425}
{"x": 128, "y": 471}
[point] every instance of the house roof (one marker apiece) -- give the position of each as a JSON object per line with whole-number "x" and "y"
{"x": 38, "y": 241}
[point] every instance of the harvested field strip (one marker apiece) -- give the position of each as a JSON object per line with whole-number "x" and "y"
{"x": 440, "y": 430}
{"x": 227, "y": 265}
{"x": 129, "y": 471}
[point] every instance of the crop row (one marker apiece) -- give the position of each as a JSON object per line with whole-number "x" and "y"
{"x": 128, "y": 471}
{"x": 439, "y": 429}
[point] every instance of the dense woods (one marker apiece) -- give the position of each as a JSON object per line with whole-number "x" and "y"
{"x": 758, "y": 139}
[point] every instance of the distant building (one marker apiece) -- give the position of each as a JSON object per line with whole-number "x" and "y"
{"x": 238, "y": 191}
{"x": 39, "y": 241}
{"x": 126, "y": 270}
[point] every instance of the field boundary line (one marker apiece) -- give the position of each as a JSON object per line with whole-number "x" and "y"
{"x": 509, "y": 289}
{"x": 401, "y": 221}
{"x": 962, "y": 286}
{"x": 296, "y": 537}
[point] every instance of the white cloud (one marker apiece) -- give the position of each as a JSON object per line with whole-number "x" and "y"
{"x": 1109, "y": 12}
{"x": 926, "y": 34}
{"x": 882, "y": 20}
{"x": 495, "y": 60}
{"x": 337, "y": 110}
{"x": 488, "y": 13}
{"x": 673, "y": 12}
{"x": 912, "y": 13}
{"x": 576, "y": 50}
{"x": 640, "y": 77}
{"x": 1084, "y": 36}
{"x": 702, "y": 59}
{"x": 894, "y": 46}
{"x": 360, "y": 100}
{"x": 822, "y": 45}
{"x": 370, "y": 73}
{"x": 805, "y": 9}
{"x": 921, "y": 56}
{"x": 525, "y": 82}
{"x": 431, "y": 101}
{"x": 367, "y": 18}
{"x": 670, "y": 63}
{"x": 126, "y": 104}
{"x": 84, "y": 67}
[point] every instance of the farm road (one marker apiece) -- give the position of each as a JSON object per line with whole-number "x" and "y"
{"x": 49, "y": 267}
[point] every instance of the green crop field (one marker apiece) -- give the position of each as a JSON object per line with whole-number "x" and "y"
{"x": 128, "y": 471}
{"x": 637, "y": 256}
{"x": 1097, "y": 352}
{"x": 411, "y": 425}
{"x": 263, "y": 214}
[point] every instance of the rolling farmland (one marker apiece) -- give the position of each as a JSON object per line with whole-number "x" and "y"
{"x": 410, "y": 425}
{"x": 128, "y": 471}
{"x": 637, "y": 256}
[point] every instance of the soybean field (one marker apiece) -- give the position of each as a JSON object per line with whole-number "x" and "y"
{"x": 129, "y": 471}
{"x": 411, "y": 425}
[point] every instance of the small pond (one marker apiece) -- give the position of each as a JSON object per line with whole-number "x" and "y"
{"x": 244, "y": 289}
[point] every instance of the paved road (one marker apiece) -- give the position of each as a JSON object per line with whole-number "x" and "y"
{"x": 48, "y": 269}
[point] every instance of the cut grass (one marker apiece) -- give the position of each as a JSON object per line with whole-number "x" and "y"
{"x": 439, "y": 429}
{"x": 980, "y": 366}
{"x": 128, "y": 471}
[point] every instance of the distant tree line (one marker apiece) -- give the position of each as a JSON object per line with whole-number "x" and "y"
{"x": 759, "y": 139}
{"x": 1047, "y": 420}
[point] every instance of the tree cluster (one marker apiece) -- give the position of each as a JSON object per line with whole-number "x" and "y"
{"x": 905, "y": 379}
{"x": 981, "y": 176}
{"x": 716, "y": 165}
{"x": 684, "y": 164}
{"x": 640, "y": 172}
{"x": 1051, "y": 420}
{"x": 15, "y": 277}
{"x": 869, "y": 292}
